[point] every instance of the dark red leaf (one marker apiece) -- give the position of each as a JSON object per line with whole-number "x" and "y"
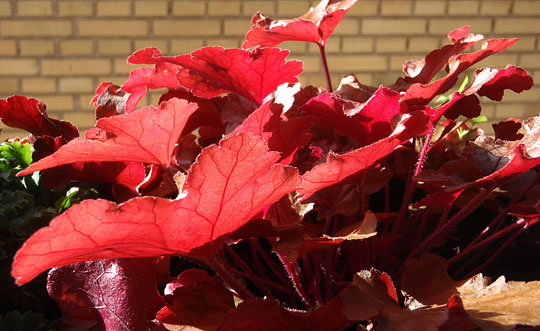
{"x": 508, "y": 130}
{"x": 227, "y": 186}
{"x": 110, "y": 100}
{"x": 284, "y": 136}
{"x": 268, "y": 315}
{"x": 492, "y": 82}
{"x": 29, "y": 114}
{"x": 423, "y": 93}
{"x": 121, "y": 293}
{"x": 148, "y": 135}
{"x": 338, "y": 168}
{"x": 198, "y": 300}
{"x": 315, "y": 26}
{"x": 351, "y": 89}
{"x": 365, "y": 123}
{"x": 212, "y": 71}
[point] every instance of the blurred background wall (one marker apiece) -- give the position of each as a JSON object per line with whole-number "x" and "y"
{"x": 60, "y": 50}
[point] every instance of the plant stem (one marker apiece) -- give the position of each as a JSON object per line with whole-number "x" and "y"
{"x": 297, "y": 284}
{"x": 325, "y": 67}
{"x": 228, "y": 277}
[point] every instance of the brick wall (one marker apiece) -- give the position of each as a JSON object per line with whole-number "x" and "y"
{"x": 60, "y": 50}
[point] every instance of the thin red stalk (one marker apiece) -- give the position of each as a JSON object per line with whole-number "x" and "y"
{"x": 266, "y": 281}
{"x": 325, "y": 67}
{"x": 270, "y": 263}
{"x": 255, "y": 255}
{"x": 248, "y": 270}
{"x": 497, "y": 252}
{"x": 452, "y": 222}
{"x": 474, "y": 248}
{"x": 225, "y": 274}
{"x": 297, "y": 284}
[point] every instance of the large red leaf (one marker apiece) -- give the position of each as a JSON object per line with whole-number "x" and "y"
{"x": 315, "y": 26}
{"x": 492, "y": 82}
{"x": 212, "y": 71}
{"x": 364, "y": 122}
{"x": 281, "y": 136}
{"x": 227, "y": 186}
{"x": 337, "y": 168}
{"x": 147, "y": 136}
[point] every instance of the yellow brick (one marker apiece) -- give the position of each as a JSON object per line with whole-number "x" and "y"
{"x": 429, "y": 8}
{"x": 113, "y": 8}
{"x": 76, "y": 84}
{"x": 84, "y": 102}
{"x": 499, "y": 60}
{"x": 82, "y": 119}
{"x": 236, "y": 27}
{"x": 532, "y": 95}
{"x": 67, "y": 67}
{"x": 113, "y": 28}
{"x": 346, "y": 27}
{"x": 34, "y": 8}
{"x": 292, "y": 8}
{"x": 75, "y": 8}
{"x": 8, "y": 47}
{"x": 504, "y": 111}
{"x": 35, "y": 28}
{"x": 187, "y": 27}
{"x": 56, "y": 103}
{"x": 114, "y": 47}
{"x": 36, "y": 47}
{"x": 443, "y": 26}
{"x": 76, "y": 47}
{"x": 122, "y": 67}
{"x": 498, "y": 7}
{"x": 396, "y": 8}
{"x": 332, "y": 46}
{"x": 364, "y": 8}
{"x": 38, "y": 85}
{"x": 266, "y": 7}
{"x": 527, "y": 8}
{"x": 423, "y": 44}
{"x": 5, "y": 8}
{"x": 393, "y": 26}
{"x": 189, "y": 8}
{"x": 463, "y": 8}
{"x": 224, "y": 42}
{"x": 223, "y": 8}
{"x": 517, "y": 25}
{"x": 390, "y": 45}
{"x": 156, "y": 43}
{"x": 151, "y": 8}
{"x": 385, "y": 78}
{"x": 357, "y": 63}
{"x": 184, "y": 46}
{"x": 529, "y": 61}
{"x": 8, "y": 86}
{"x": 524, "y": 44}
{"x": 357, "y": 45}
{"x": 532, "y": 110}
{"x": 17, "y": 67}
{"x": 8, "y": 133}
{"x": 118, "y": 80}
{"x": 311, "y": 63}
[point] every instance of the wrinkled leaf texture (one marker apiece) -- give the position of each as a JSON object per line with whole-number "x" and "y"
{"x": 227, "y": 186}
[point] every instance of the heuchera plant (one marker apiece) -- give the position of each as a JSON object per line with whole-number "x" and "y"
{"x": 251, "y": 202}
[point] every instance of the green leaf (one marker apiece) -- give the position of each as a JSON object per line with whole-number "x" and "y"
{"x": 463, "y": 84}
{"x": 64, "y": 203}
{"x": 479, "y": 119}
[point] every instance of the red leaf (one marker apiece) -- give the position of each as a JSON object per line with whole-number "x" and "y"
{"x": 200, "y": 301}
{"x": 423, "y": 93}
{"x": 147, "y": 136}
{"x": 227, "y": 186}
{"x": 337, "y": 168}
{"x": 365, "y": 123}
{"x": 121, "y": 293}
{"x": 29, "y": 114}
{"x": 492, "y": 82}
{"x": 508, "y": 130}
{"x": 212, "y": 71}
{"x": 268, "y": 315}
{"x": 315, "y": 26}
{"x": 110, "y": 100}
{"x": 282, "y": 136}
